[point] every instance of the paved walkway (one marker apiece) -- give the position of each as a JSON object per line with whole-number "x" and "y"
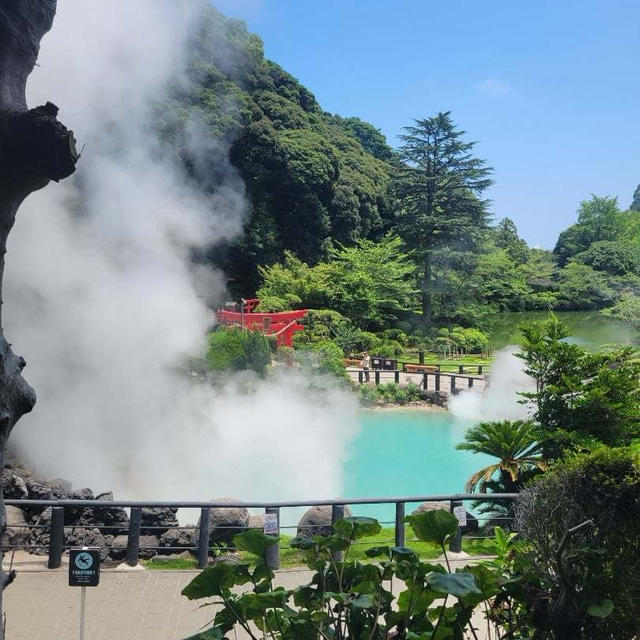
{"x": 128, "y": 604}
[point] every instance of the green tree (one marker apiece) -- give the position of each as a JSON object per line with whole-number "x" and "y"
{"x": 514, "y": 444}
{"x": 237, "y": 349}
{"x": 598, "y": 219}
{"x": 438, "y": 190}
{"x": 506, "y": 237}
{"x": 580, "y": 398}
{"x": 635, "y": 203}
{"x": 626, "y": 309}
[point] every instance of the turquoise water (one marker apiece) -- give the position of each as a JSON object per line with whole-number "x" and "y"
{"x": 400, "y": 453}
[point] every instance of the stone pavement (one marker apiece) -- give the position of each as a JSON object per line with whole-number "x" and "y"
{"x": 128, "y": 604}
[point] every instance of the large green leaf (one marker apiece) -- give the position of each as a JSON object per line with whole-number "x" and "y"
{"x": 436, "y": 525}
{"x": 254, "y": 541}
{"x": 456, "y": 584}
{"x": 363, "y": 526}
{"x": 600, "y": 609}
{"x": 214, "y": 633}
{"x": 302, "y": 542}
{"x": 212, "y": 581}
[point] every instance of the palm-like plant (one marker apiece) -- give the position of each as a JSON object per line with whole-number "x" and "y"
{"x": 515, "y": 445}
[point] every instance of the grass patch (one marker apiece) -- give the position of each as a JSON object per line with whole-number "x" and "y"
{"x": 172, "y": 563}
{"x": 294, "y": 558}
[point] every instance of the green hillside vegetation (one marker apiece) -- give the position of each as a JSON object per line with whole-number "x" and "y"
{"x": 400, "y": 243}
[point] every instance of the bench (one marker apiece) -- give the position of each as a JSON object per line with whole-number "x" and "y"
{"x": 420, "y": 368}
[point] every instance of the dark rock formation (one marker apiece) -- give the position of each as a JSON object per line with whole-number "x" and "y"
{"x": 226, "y": 522}
{"x": 176, "y": 539}
{"x": 158, "y": 520}
{"x": 34, "y": 148}
{"x": 316, "y": 521}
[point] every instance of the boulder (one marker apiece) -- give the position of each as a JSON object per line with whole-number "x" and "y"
{"x": 175, "y": 539}
{"x": 316, "y": 521}
{"x": 147, "y": 548}
{"x": 472, "y": 521}
{"x": 14, "y": 487}
{"x": 61, "y": 489}
{"x": 118, "y": 549}
{"x": 82, "y": 537}
{"x": 157, "y": 520}
{"x": 112, "y": 520}
{"x": 17, "y": 529}
{"x": 226, "y": 522}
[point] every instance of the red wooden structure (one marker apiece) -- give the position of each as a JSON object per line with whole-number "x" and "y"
{"x": 282, "y": 324}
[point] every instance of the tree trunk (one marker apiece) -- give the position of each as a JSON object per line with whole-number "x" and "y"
{"x": 34, "y": 148}
{"x": 426, "y": 291}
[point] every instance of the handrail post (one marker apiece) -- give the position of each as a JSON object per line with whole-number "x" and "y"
{"x": 460, "y": 368}
{"x": 56, "y": 537}
{"x": 400, "y": 524}
{"x": 273, "y": 552}
{"x": 421, "y": 357}
{"x": 377, "y": 377}
{"x": 438, "y": 381}
{"x": 479, "y": 369}
{"x": 133, "y": 541}
{"x": 452, "y": 381}
{"x": 425, "y": 380}
{"x": 360, "y": 377}
{"x": 337, "y": 513}
{"x": 396, "y": 376}
{"x": 470, "y": 382}
{"x": 203, "y": 538}
{"x": 455, "y": 543}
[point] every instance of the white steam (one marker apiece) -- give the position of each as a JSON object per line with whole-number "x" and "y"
{"x": 102, "y": 301}
{"x": 500, "y": 400}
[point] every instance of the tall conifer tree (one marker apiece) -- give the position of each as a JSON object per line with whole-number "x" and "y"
{"x": 439, "y": 189}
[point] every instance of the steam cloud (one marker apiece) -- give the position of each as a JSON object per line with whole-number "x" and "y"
{"x": 102, "y": 301}
{"x": 500, "y": 400}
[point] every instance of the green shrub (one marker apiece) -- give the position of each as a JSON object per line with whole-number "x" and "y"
{"x": 236, "y": 349}
{"x": 369, "y": 396}
{"x": 323, "y": 357}
{"x": 586, "y": 581}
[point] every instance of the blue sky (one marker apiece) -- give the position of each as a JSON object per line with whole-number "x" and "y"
{"x": 549, "y": 89}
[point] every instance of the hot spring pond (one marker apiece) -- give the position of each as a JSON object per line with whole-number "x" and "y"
{"x": 407, "y": 452}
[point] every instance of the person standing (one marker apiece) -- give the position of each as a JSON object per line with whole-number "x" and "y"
{"x": 366, "y": 364}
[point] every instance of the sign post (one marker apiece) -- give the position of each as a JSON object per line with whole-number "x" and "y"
{"x": 84, "y": 571}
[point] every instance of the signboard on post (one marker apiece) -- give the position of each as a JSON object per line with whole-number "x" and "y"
{"x": 270, "y": 524}
{"x": 84, "y": 567}
{"x": 461, "y": 514}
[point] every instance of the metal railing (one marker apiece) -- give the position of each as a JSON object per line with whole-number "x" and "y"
{"x": 201, "y": 548}
{"x": 393, "y": 375}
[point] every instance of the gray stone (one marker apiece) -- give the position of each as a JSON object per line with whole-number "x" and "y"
{"x": 17, "y": 529}
{"x": 14, "y": 487}
{"x": 177, "y": 539}
{"x": 316, "y": 521}
{"x": 472, "y": 521}
{"x": 82, "y": 537}
{"x": 147, "y": 548}
{"x": 158, "y": 520}
{"x": 118, "y": 549}
{"x": 226, "y": 522}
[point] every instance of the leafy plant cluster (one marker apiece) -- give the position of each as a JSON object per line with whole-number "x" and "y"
{"x": 345, "y": 598}
{"x": 390, "y": 393}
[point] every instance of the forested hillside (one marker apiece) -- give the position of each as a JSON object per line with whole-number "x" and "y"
{"x": 389, "y": 239}
{"x": 313, "y": 179}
